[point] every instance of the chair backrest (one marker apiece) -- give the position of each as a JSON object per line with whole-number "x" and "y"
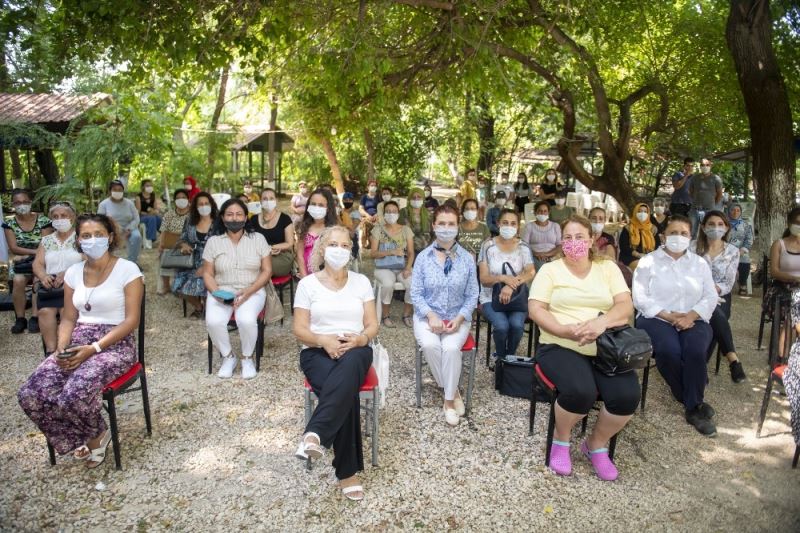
{"x": 529, "y": 212}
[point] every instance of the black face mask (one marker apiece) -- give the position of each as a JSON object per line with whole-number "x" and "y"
{"x": 234, "y": 225}
{"x": 348, "y": 205}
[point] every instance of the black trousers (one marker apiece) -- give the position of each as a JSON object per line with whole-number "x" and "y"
{"x": 720, "y": 325}
{"x": 744, "y": 273}
{"x": 336, "y": 419}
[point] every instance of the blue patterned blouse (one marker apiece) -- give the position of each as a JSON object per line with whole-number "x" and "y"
{"x": 455, "y": 293}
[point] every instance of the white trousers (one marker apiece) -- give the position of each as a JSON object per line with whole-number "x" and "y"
{"x": 218, "y": 314}
{"x": 387, "y": 279}
{"x": 443, "y": 353}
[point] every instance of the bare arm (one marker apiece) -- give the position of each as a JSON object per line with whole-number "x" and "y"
{"x": 775, "y": 262}
{"x": 11, "y": 239}
{"x": 39, "y": 268}
{"x": 298, "y": 254}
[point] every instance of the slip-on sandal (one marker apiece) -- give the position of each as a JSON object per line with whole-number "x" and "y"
{"x": 603, "y": 466}
{"x": 84, "y": 452}
{"x": 98, "y": 454}
{"x": 560, "y": 462}
{"x": 348, "y": 491}
{"x": 309, "y": 450}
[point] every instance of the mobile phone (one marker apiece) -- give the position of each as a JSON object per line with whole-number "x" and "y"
{"x": 66, "y": 354}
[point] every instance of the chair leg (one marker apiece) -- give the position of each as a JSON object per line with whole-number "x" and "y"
{"x": 532, "y": 414}
{"x": 645, "y": 380}
{"x": 146, "y": 403}
{"x": 259, "y": 344}
{"x": 112, "y": 419}
{"x": 612, "y": 447}
{"x": 210, "y": 353}
{"x": 488, "y": 343}
{"x": 473, "y": 356}
{"x": 52, "y": 453}
{"x": 764, "y": 405}
{"x": 418, "y": 372}
{"x": 375, "y": 406}
{"x": 478, "y": 330}
{"x": 530, "y": 338}
{"x": 185, "y": 311}
{"x": 796, "y": 456}
{"x": 761, "y": 328}
{"x": 551, "y": 426}
{"x": 719, "y": 359}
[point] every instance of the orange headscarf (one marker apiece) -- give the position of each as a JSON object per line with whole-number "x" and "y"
{"x": 641, "y": 232}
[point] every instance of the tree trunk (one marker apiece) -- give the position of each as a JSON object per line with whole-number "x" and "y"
{"x": 16, "y": 166}
{"x": 369, "y": 144}
{"x": 212, "y": 135}
{"x": 273, "y": 124}
{"x": 749, "y": 36}
{"x": 177, "y": 135}
{"x": 487, "y": 143}
{"x": 336, "y": 171}
{"x": 48, "y": 167}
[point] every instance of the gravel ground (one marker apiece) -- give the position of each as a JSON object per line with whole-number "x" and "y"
{"x": 221, "y": 453}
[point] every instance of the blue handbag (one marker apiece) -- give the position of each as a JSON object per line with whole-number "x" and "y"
{"x": 390, "y": 262}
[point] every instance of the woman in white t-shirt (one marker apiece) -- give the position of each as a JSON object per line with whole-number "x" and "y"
{"x": 335, "y": 319}
{"x": 102, "y": 303}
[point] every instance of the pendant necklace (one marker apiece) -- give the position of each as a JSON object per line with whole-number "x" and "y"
{"x": 87, "y": 305}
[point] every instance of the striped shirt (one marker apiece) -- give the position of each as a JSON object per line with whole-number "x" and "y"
{"x": 236, "y": 266}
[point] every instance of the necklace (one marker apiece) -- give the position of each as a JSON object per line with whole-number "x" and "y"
{"x": 87, "y": 305}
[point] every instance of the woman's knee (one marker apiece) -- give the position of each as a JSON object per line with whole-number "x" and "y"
{"x": 623, "y": 400}
{"x": 20, "y": 280}
{"x": 577, "y": 400}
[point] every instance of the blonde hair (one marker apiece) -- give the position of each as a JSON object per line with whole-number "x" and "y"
{"x": 317, "y": 257}
{"x": 583, "y": 221}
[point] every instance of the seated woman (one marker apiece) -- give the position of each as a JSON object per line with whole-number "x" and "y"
{"x": 418, "y": 218}
{"x": 335, "y": 320}
{"x": 561, "y": 211}
{"x": 784, "y": 268}
{"x": 506, "y": 248}
{"x": 24, "y": 231}
{"x": 277, "y": 229}
{"x": 659, "y": 217}
{"x": 171, "y": 228}
{"x": 393, "y": 252}
{"x": 542, "y": 235}
{"x": 723, "y": 258}
{"x": 604, "y": 243}
{"x": 320, "y": 213}
{"x": 566, "y": 297}
{"x": 236, "y": 260}
{"x": 741, "y": 236}
{"x": 102, "y": 304}
{"x": 431, "y": 203}
{"x": 56, "y": 253}
{"x": 791, "y": 376}
{"x": 471, "y": 231}
{"x": 444, "y": 291}
{"x": 675, "y": 296}
{"x": 638, "y": 238}
{"x": 198, "y": 228}
{"x": 149, "y": 207}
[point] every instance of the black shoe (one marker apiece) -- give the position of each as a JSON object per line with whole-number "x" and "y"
{"x": 20, "y": 325}
{"x": 737, "y": 372}
{"x": 33, "y": 325}
{"x": 707, "y": 410}
{"x": 701, "y": 423}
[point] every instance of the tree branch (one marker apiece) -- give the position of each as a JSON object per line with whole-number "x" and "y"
{"x": 434, "y": 4}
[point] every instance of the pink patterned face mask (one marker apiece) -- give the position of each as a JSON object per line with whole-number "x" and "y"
{"x": 575, "y": 249}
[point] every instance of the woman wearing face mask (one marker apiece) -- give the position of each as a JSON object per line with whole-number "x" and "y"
{"x": 171, "y": 229}
{"x": 386, "y": 195}
{"x": 675, "y": 296}
{"x": 277, "y": 229}
{"x": 543, "y": 235}
{"x": 638, "y": 238}
{"x": 236, "y": 260}
{"x": 56, "y": 253}
{"x": 723, "y": 258}
{"x": 493, "y": 214}
{"x": 431, "y": 203}
{"x": 297, "y": 206}
{"x": 784, "y": 268}
{"x": 198, "y": 228}
{"x": 335, "y": 320}
{"x": 550, "y": 187}
{"x": 320, "y": 214}
{"x": 444, "y": 291}
{"x": 126, "y": 216}
{"x": 741, "y": 236}
{"x": 149, "y": 207}
{"x": 102, "y": 304}
{"x": 521, "y": 192}
{"x": 24, "y": 231}
{"x": 567, "y": 295}
{"x": 391, "y": 239}
{"x": 659, "y": 217}
{"x": 416, "y": 217}
{"x": 560, "y": 211}
{"x": 471, "y": 231}
{"x": 505, "y": 250}
{"x": 190, "y": 184}
{"x": 604, "y": 243}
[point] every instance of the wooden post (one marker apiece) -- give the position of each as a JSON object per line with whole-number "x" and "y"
{"x": 3, "y": 186}
{"x": 262, "y": 167}
{"x": 250, "y": 163}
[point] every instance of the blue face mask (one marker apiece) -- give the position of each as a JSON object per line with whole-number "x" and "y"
{"x": 95, "y": 247}
{"x": 445, "y": 234}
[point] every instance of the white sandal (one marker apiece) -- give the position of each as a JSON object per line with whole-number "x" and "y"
{"x": 84, "y": 451}
{"x": 309, "y": 450}
{"x": 98, "y": 454}
{"x": 347, "y": 491}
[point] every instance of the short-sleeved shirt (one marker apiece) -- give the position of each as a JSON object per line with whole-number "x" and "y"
{"x": 401, "y": 239}
{"x": 491, "y": 254}
{"x": 59, "y": 255}
{"x": 172, "y": 222}
{"x": 27, "y": 239}
{"x": 573, "y": 300}
{"x": 276, "y": 235}
{"x": 236, "y": 266}
{"x": 107, "y": 300}
{"x": 550, "y": 188}
{"x": 542, "y": 239}
{"x": 680, "y": 196}
{"x": 704, "y": 191}
{"x": 467, "y": 191}
{"x": 334, "y": 312}
{"x": 560, "y": 214}
{"x": 370, "y": 204}
{"x": 471, "y": 240}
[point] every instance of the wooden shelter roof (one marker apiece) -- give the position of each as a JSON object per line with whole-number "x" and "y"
{"x": 47, "y": 108}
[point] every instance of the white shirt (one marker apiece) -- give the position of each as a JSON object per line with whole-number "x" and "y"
{"x": 107, "y": 300}
{"x": 59, "y": 255}
{"x": 661, "y": 283}
{"x": 334, "y": 312}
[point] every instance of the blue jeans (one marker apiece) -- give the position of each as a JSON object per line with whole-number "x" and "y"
{"x": 151, "y": 224}
{"x": 507, "y": 328}
{"x": 134, "y": 245}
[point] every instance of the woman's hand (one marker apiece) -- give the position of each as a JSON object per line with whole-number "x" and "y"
{"x": 686, "y": 321}
{"x": 185, "y": 249}
{"x": 511, "y": 281}
{"x": 591, "y": 329}
{"x": 241, "y": 297}
{"x": 81, "y": 354}
{"x": 405, "y": 273}
{"x": 331, "y": 345}
{"x": 453, "y": 325}
{"x": 47, "y": 282}
{"x": 58, "y": 280}
{"x": 348, "y": 341}
{"x": 505, "y": 294}
{"x": 435, "y": 323}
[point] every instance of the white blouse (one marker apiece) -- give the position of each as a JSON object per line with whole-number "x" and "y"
{"x": 723, "y": 267}
{"x": 661, "y": 283}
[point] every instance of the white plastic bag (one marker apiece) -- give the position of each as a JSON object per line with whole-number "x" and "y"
{"x": 380, "y": 360}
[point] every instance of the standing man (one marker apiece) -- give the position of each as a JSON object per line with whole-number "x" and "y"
{"x": 681, "y": 199}
{"x": 505, "y": 186}
{"x": 125, "y": 214}
{"x": 705, "y": 189}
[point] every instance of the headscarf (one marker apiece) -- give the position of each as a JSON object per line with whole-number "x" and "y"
{"x": 423, "y": 212}
{"x": 734, "y": 221}
{"x": 194, "y": 190}
{"x": 641, "y": 232}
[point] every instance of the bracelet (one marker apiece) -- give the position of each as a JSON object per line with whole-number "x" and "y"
{"x": 96, "y": 346}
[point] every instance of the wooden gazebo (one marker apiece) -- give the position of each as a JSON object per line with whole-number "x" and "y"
{"x": 270, "y": 144}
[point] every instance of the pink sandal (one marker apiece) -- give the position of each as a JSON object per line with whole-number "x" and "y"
{"x": 601, "y": 462}
{"x": 560, "y": 463}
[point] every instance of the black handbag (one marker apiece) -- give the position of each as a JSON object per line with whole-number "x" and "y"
{"x": 519, "y": 299}
{"x": 622, "y": 349}
{"x": 44, "y": 295}
{"x": 174, "y": 259}
{"x": 24, "y": 266}
{"x": 513, "y": 376}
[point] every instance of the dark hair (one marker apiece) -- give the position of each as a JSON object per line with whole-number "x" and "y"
{"x": 683, "y": 219}
{"x": 597, "y": 208}
{"x": 793, "y": 214}
{"x": 464, "y": 204}
{"x": 147, "y": 180}
{"x": 508, "y": 211}
{"x": 562, "y": 193}
{"x": 470, "y": 170}
{"x": 180, "y": 191}
{"x": 387, "y": 188}
{"x": 19, "y": 190}
{"x": 247, "y": 182}
{"x": 444, "y": 209}
{"x": 540, "y": 203}
{"x": 115, "y": 182}
{"x": 270, "y": 189}
{"x": 194, "y": 216}
{"x": 219, "y": 223}
{"x": 331, "y": 219}
{"x": 701, "y": 246}
{"x": 390, "y": 202}
{"x": 452, "y": 203}
{"x": 524, "y": 183}
{"x": 687, "y": 160}
{"x": 106, "y": 221}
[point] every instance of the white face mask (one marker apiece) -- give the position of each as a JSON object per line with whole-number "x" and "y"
{"x": 95, "y": 247}
{"x": 470, "y": 215}
{"x": 794, "y": 229}
{"x": 386, "y": 197}
{"x": 416, "y": 204}
{"x": 508, "y": 232}
{"x": 542, "y": 218}
{"x": 23, "y": 209}
{"x": 705, "y": 169}
{"x": 641, "y": 217}
{"x": 62, "y": 225}
{"x": 597, "y": 227}
{"x": 500, "y": 202}
{"x": 391, "y": 218}
{"x": 181, "y": 203}
{"x": 269, "y": 205}
{"x": 254, "y": 207}
{"x": 445, "y": 234}
{"x": 372, "y": 189}
{"x": 117, "y": 195}
{"x": 677, "y": 243}
{"x": 148, "y": 189}
{"x": 551, "y": 177}
{"x": 336, "y": 257}
{"x": 204, "y": 210}
{"x": 248, "y": 190}
{"x": 715, "y": 234}
{"x": 560, "y": 201}
{"x": 659, "y": 210}
{"x": 317, "y": 212}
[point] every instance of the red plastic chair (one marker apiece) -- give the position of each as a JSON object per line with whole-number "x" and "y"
{"x": 259, "y": 341}
{"x": 369, "y": 393}
{"x": 468, "y": 356}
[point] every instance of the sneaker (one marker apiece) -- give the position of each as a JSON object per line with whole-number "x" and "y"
{"x": 248, "y": 368}
{"x": 560, "y": 463}
{"x": 701, "y": 423}
{"x": 707, "y": 410}
{"x": 148, "y": 244}
{"x": 33, "y": 325}
{"x": 20, "y": 325}
{"x": 451, "y": 417}
{"x": 737, "y": 372}
{"x": 603, "y": 467}
{"x": 228, "y": 366}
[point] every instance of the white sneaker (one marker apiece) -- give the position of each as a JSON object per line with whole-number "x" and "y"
{"x": 228, "y": 366}
{"x": 459, "y": 406}
{"x": 248, "y": 368}
{"x": 148, "y": 244}
{"x": 451, "y": 417}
